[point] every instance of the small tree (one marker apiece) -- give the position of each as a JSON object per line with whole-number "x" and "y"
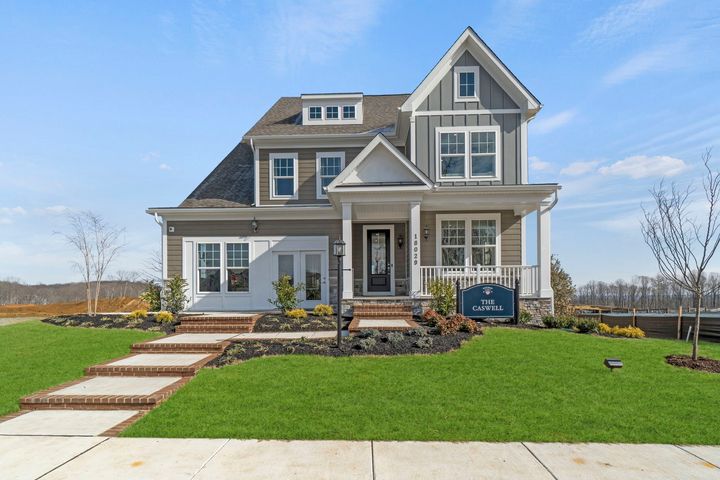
{"x": 151, "y": 296}
{"x": 286, "y": 297}
{"x": 563, "y": 288}
{"x": 173, "y": 295}
{"x": 442, "y": 297}
{"x": 683, "y": 245}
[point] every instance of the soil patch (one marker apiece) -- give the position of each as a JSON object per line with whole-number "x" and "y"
{"x": 120, "y": 304}
{"x": 112, "y": 321}
{"x": 418, "y": 341}
{"x": 275, "y": 322}
{"x": 703, "y": 364}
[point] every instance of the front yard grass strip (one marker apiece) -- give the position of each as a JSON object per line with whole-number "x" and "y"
{"x": 508, "y": 385}
{"x": 35, "y": 356}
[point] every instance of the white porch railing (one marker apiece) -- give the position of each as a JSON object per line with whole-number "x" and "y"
{"x": 467, "y": 276}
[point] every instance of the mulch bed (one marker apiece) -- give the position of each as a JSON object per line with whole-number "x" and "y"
{"x": 418, "y": 341}
{"x": 275, "y": 322}
{"x": 703, "y": 364}
{"x": 111, "y": 321}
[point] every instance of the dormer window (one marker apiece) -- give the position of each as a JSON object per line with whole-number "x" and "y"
{"x": 466, "y": 83}
{"x": 332, "y": 113}
{"x": 348, "y": 112}
{"x": 315, "y": 113}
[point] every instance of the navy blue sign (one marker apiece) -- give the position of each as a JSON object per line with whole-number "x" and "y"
{"x": 487, "y": 300}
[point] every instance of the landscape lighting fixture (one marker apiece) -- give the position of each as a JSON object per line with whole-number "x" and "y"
{"x": 613, "y": 363}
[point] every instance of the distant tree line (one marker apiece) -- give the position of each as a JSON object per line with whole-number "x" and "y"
{"x": 122, "y": 284}
{"x": 646, "y": 293}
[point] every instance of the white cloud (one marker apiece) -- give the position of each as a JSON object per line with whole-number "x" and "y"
{"x": 5, "y": 221}
{"x": 642, "y": 166}
{"x": 164, "y": 166}
{"x": 661, "y": 58}
{"x": 553, "y": 122}
{"x": 601, "y": 204}
{"x": 52, "y": 210}
{"x": 579, "y": 168}
{"x": 621, "y": 21}
{"x": 12, "y": 211}
{"x": 625, "y": 222}
{"x": 539, "y": 165}
{"x": 313, "y": 31}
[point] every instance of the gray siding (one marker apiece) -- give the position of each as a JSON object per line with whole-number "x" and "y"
{"x": 510, "y": 241}
{"x": 490, "y": 94}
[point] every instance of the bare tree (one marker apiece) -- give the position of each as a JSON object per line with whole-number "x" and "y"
{"x": 682, "y": 245}
{"x": 154, "y": 267}
{"x": 98, "y": 244}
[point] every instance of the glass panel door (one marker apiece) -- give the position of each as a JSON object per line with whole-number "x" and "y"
{"x": 313, "y": 276}
{"x": 286, "y": 266}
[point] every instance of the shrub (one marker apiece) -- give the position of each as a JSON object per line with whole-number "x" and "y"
{"x": 174, "y": 294}
{"x": 137, "y": 315}
{"x": 322, "y": 310}
{"x": 424, "y": 342}
{"x": 417, "y": 332}
{"x": 470, "y": 326}
{"x": 151, "y": 296}
{"x": 285, "y": 293}
{"x": 549, "y": 321}
{"x": 585, "y": 325}
{"x": 432, "y": 317}
{"x": 456, "y": 323}
{"x": 396, "y": 339}
{"x": 164, "y": 317}
{"x": 604, "y": 328}
{"x": 297, "y": 313}
{"x": 367, "y": 343}
{"x": 525, "y": 317}
{"x": 369, "y": 333}
{"x": 443, "y": 297}
{"x": 629, "y": 331}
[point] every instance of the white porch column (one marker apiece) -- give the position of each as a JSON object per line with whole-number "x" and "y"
{"x": 347, "y": 259}
{"x": 415, "y": 279}
{"x": 543, "y": 251}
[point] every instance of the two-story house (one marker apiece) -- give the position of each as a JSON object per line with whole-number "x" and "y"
{"x": 421, "y": 186}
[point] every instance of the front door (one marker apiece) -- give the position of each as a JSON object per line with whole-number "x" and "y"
{"x": 378, "y": 261}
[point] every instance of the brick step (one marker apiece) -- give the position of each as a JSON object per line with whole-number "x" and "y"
{"x": 44, "y": 401}
{"x": 106, "y": 370}
{"x": 214, "y": 319}
{"x": 179, "y": 347}
{"x": 382, "y": 311}
{"x": 382, "y": 314}
{"x": 213, "y": 328}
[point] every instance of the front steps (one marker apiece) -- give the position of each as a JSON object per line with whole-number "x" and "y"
{"x": 382, "y": 316}
{"x": 217, "y": 323}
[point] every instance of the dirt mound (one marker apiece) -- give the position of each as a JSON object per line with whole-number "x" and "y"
{"x": 120, "y": 304}
{"x": 702, "y": 363}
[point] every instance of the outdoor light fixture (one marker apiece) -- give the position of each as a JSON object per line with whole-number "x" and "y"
{"x": 339, "y": 252}
{"x": 254, "y": 225}
{"x": 613, "y": 363}
{"x": 426, "y": 232}
{"x": 401, "y": 240}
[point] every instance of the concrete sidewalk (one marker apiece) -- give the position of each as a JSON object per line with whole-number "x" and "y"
{"x": 55, "y": 458}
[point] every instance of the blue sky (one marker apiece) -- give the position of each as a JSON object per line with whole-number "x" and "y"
{"x": 118, "y": 106}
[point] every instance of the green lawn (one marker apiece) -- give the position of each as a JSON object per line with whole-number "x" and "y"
{"x": 509, "y": 385}
{"x": 35, "y": 356}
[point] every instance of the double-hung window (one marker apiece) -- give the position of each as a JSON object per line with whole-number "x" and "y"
{"x": 469, "y": 153}
{"x": 208, "y": 267}
{"x": 348, "y": 112}
{"x": 468, "y": 239}
{"x": 329, "y": 166}
{"x": 223, "y": 267}
{"x": 237, "y": 261}
{"x": 283, "y": 175}
{"x": 466, "y": 84}
{"x": 332, "y": 113}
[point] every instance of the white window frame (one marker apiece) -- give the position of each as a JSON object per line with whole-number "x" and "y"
{"x": 198, "y": 268}
{"x": 342, "y": 113}
{"x": 318, "y": 179}
{"x": 339, "y": 117}
{"x": 223, "y": 265}
{"x": 468, "y": 218}
{"x": 271, "y": 175}
{"x": 470, "y": 69}
{"x": 322, "y": 113}
{"x": 228, "y": 267}
{"x": 468, "y": 131}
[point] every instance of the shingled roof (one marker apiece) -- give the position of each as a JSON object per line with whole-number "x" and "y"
{"x": 380, "y": 112}
{"x": 231, "y": 184}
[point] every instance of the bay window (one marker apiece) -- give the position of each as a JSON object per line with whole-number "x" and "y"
{"x": 468, "y": 153}
{"x": 468, "y": 239}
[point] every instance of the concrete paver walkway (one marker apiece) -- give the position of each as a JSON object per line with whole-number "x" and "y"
{"x": 59, "y": 458}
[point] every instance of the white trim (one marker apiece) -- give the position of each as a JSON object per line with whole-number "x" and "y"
{"x": 329, "y": 101}
{"x": 523, "y": 240}
{"x": 494, "y": 111}
{"x": 413, "y": 155}
{"x": 271, "y": 175}
{"x": 222, "y": 241}
{"x": 469, "y": 40}
{"x": 318, "y": 179}
{"x": 391, "y": 246}
{"x": 164, "y": 248}
{"x": 468, "y": 155}
{"x": 475, "y": 70}
{"x": 330, "y": 96}
{"x": 524, "y": 165}
{"x": 468, "y": 218}
{"x": 256, "y": 160}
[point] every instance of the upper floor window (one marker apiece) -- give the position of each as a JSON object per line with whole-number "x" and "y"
{"x": 283, "y": 177}
{"x": 468, "y": 153}
{"x": 349, "y": 112}
{"x": 315, "y": 113}
{"x": 466, "y": 83}
{"x": 329, "y": 166}
{"x": 331, "y": 113}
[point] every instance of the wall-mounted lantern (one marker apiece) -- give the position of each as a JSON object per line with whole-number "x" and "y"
{"x": 254, "y": 225}
{"x": 426, "y": 232}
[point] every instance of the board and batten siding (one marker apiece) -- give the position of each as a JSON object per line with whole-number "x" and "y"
{"x": 307, "y": 174}
{"x": 241, "y": 228}
{"x": 510, "y": 241}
